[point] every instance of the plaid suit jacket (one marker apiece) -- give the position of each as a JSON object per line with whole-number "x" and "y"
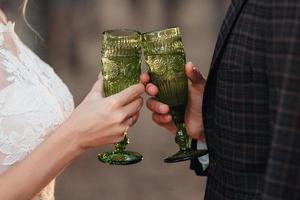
{"x": 251, "y": 105}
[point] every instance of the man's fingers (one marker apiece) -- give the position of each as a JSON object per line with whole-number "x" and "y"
{"x": 130, "y": 94}
{"x": 164, "y": 121}
{"x": 157, "y": 107}
{"x": 151, "y": 89}
{"x": 194, "y": 74}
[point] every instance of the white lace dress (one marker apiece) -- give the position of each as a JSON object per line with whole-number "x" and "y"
{"x": 33, "y": 102}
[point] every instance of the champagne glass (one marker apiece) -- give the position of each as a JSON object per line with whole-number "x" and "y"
{"x": 121, "y": 68}
{"x": 165, "y": 60}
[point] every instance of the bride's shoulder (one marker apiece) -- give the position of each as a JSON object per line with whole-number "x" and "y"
{"x": 3, "y": 18}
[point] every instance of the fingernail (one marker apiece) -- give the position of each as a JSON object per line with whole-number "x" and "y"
{"x": 190, "y": 62}
{"x": 161, "y": 108}
{"x": 169, "y": 117}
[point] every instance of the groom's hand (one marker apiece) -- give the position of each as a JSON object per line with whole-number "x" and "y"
{"x": 193, "y": 115}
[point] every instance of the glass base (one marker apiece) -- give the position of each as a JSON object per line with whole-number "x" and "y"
{"x": 120, "y": 158}
{"x": 185, "y": 155}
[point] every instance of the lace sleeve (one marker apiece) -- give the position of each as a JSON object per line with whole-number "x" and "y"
{"x": 27, "y": 110}
{"x": 11, "y": 125}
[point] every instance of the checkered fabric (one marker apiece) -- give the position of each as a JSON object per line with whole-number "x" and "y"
{"x": 251, "y": 106}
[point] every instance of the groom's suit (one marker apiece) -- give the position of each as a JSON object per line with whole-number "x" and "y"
{"x": 251, "y": 105}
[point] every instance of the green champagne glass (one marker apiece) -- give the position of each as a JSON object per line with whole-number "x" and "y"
{"x": 165, "y": 60}
{"x": 121, "y": 68}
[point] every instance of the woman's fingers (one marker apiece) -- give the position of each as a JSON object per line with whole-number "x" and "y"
{"x": 132, "y": 108}
{"x": 131, "y": 120}
{"x": 157, "y": 107}
{"x": 128, "y": 95}
{"x": 135, "y": 118}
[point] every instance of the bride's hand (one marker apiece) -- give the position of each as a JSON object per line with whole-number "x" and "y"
{"x": 100, "y": 121}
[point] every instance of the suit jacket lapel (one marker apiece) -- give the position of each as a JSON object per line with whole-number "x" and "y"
{"x": 209, "y": 92}
{"x": 231, "y": 16}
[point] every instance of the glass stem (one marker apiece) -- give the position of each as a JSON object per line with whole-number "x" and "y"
{"x": 182, "y": 138}
{"x": 121, "y": 146}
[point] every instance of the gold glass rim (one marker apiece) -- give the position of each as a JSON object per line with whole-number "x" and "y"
{"x": 121, "y": 33}
{"x": 118, "y": 42}
{"x": 162, "y": 33}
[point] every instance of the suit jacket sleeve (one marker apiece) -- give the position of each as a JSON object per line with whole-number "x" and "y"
{"x": 282, "y": 178}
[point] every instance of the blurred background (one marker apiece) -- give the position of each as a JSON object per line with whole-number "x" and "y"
{"x": 72, "y": 33}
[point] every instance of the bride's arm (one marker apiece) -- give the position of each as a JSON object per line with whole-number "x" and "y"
{"x": 30, "y": 176}
{"x": 95, "y": 122}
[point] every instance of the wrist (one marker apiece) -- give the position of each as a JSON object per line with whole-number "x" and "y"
{"x": 202, "y": 136}
{"x": 70, "y": 140}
